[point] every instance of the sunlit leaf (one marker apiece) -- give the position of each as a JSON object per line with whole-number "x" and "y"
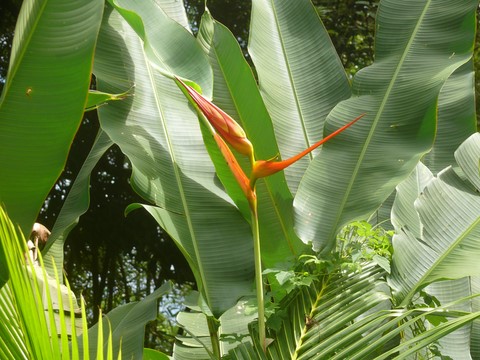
{"x": 357, "y": 171}
{"x": 43, "y": 99}
{"x": 300, "y": 74}
{"x": 76, "y": 203}
{"x": 442, "y": 242}
{"x": 235, "y": 91}
{"x": 159, "y": 132}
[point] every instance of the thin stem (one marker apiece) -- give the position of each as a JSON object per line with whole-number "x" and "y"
{"x": 258, "y": 278}
{"x": 213, "y": 330}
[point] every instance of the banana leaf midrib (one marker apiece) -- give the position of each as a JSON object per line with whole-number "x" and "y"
{"x": 376, "y": 120}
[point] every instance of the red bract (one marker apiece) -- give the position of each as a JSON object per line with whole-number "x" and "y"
{"x": 228, "y": 128}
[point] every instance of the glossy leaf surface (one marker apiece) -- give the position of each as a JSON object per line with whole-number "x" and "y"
{"x": 442, "y": 242}
{"x": 418, "y": 45}
{"x": 159, "y": 132}
{"x": 75, "y": 205}
{"x": 235, "y": 90}
{"x": 456, "y": 118}
{"x": 300, "y": 74}
{"x": 43, "y": 99}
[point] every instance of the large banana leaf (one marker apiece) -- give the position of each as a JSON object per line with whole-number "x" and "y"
{"x": 300, "y": 74}
{"x": 457, "y": 344}
{"x": 126, "y": 326}
{"x": 456, "y": 122}
{"x": 43, "y": 99}
{"x": 162, "y": 37}
{"x": 404, "y": 214}
{"x": 467, "y": 156}
{"x": 76, "y": 203}
{"x": 236, "y": 92}
{"x": 175, "y": 10}
{"x": 418, "y": 45}
{"x": 456, "y": 118}
{"x": 442, "y": 242}
{"x": 196, "y": 340}
{"x": 160, "y": 134}
{"x": 475, "y": 338}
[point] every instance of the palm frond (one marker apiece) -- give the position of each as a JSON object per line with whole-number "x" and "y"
{"x": 38, "y": 314}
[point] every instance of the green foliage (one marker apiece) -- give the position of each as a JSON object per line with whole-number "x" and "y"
{"x": 41, "y": 319}
{"x": 43, "y": 99}
{"x": 361, "y": 242}
{"x": 440, "y": 227}
{"x": 35, "y": 307}
{"x": 364, "y": 296}
{"x": 335, "y": 184}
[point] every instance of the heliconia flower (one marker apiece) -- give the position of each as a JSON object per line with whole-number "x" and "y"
{"x": 262, "y": 168}
{"x": 228, "y": 128}
{"x": 237, "y": 171}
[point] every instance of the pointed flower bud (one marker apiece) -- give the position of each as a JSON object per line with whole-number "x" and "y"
{"x": 237, "y": 171}
{"x": 262, "y": 168}
{"x": 228, "y": 128}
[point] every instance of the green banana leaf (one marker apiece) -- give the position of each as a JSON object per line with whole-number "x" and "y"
{"x": 175, "y": 10}
{"x": 456, "y": 122}
{"x": 456, "y": 118}
{"x": 418, "y": 45}
{"x": 300, "y": 74}
{"x": 404, "y": 213}
{"x": 150, "y": 354}
{"x": 467, "y": 158}
{"x": 456, "y": 344}
{"x": 441, "y": 243}
{"x": 232, "y": 331}
{"x": 475, "y": 338}
{"x": 126, "y": 326}
{"x": 76, "y": 204}
{"x": 159, "y": 132}
{"x": 236, "y": 92}
{"x": 43, "y": 99}
{"x": 162, "y": 37}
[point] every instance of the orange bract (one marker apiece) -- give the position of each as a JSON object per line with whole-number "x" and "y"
{"x": 237, "y": 171}
{"x": 262, "y": 168}
{"x": 228, "y": 128}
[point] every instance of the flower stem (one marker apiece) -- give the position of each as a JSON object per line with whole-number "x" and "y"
{"x": 258, "y": 278}
{"x": 213, "y": 330}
